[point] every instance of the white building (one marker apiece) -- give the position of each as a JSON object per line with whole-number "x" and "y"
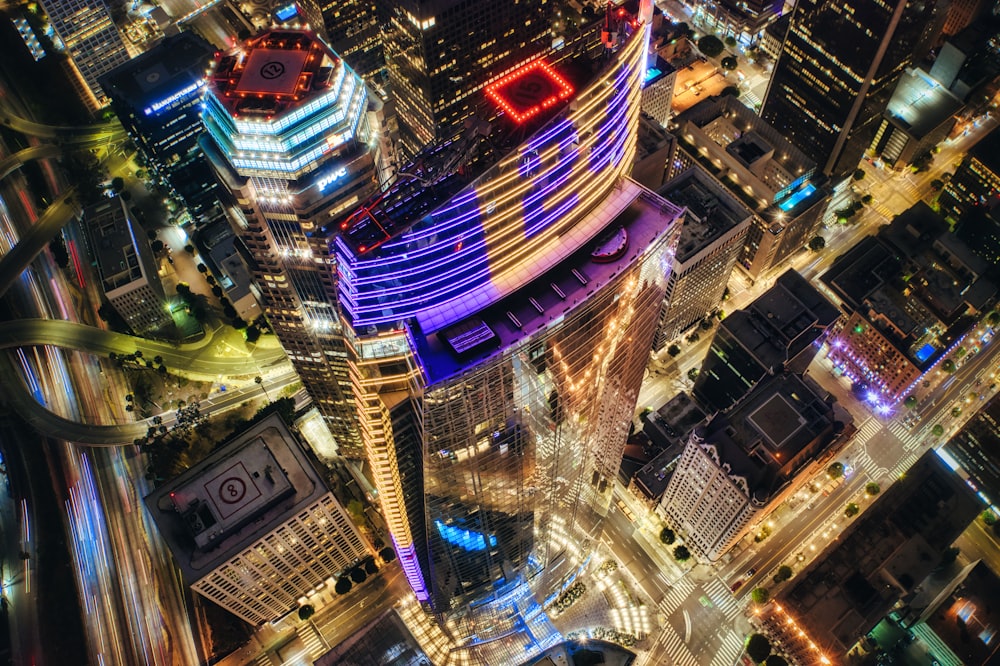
{"x": 254, "y": 528}
{"x": 126, "y": 265}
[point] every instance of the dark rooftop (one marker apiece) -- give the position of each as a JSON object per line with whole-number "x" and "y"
{"x": 715, "y": 210}
{"x": 169, "y": 67}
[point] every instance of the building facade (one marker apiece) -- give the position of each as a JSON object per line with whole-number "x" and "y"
{"x": 91, "y": 39}
{"x": 157, "y": 97}
{"x": 291, "y": 134}
{"x": 254, "y": 528}
{"x": 739, "y": 466}
{"x": 712, "y": 238}
{"x": 776, "y": 180}
{"x": 976, "y": 182}
{"x": 126, "y": 265}
{"x": 440, "y": 54}
{"x": 838, "y": 66}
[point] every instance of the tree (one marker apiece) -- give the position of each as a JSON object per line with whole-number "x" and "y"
{"x": 937, "y": 430}
{"x": 910, "y": 402}
{"x": 370, "y": 567}
{"x": 343, "y": 585}
{"x": 189, "y": 248}
{"x": 57, "y": 246}
{"x": 731, "y": 91}
{"x": 775, "y": 660}
{"x": 989, "y": 518}
{"x": 835, "y": 470}
{"x": 873, "y": 489}
{"x": 728, "y": 63}
{"x": 859, "y": 174}
{"x": 693, "y": 374}
{"x": 993, "y": 318}
{"x": 760, "y": 595}
{"x": 358, "y": 575}
{"x": 387, "y": 554}
{"x": 306, "y": 612}
{"x": 730, "y": 41}
{"x": 784, "y": 573}
{"x": 673, "y": 350}
{"x": 851, "y": 510}
{"x": 711, "y": 46}
{"x": 253, "y": 333}
{"x": 117, "y": 184}
{"x": 682, "y": 554}
{"x": 202, "y": 268}
{"x": 758, "y": 647}
{"x": 866, "y": 199}
{"x": 667, "y": 536}
{"x": 937, "y": 184}
{"x": 157, "y": 246}
{"x": 956, "y": 412}
{"x": 949, "y": 555}
{"x": 817, "y": 243}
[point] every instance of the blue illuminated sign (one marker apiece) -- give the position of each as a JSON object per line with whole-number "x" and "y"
{"x": 325, "y": 181}
{"x": 167, "y": 101}
{"x": 464, "y": 539}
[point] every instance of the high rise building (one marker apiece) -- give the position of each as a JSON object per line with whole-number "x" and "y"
{"x": 739, "y": 466}
{"x": 496, "y": 307}
{"x": 254, "y": 527}
{"x": 779, "y": 182}
{"x": 974, "y": 451}
{"x": 157, "y": 97}
{"x": 976, "y": 182}
{"x": 126, "y": 264}
{"x": 91, "y": 39}
{"x": 715, "y": 228}
{"x": 440, "y": 54}
{"x": 838, "y": 66}
{"x": 356, "y": 35}
{"x": 881, "y": 557}
{"x": 777, "y": 331}
{"x": 291, "y": 134}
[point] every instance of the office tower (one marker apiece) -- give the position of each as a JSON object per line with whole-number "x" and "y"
{"x": 291, "y": 134}
{"x": 881, "y": 557}
{"x": 356, "y": 35}
{"x": 974, "y": 451}
{"x": 126, "y": 264}
{"x": 910, "y": 295}
{"x": 294, "y": 14}
{"x": 976, "y": 182}
{"x": 254, "y": 528}
{"x": 838, "y": 66}
{"x": 715, "y": 228}
{"x": 658, "y": 90}
{"x": 739, "y": 466}
{"x": 91, "y": 39}
{"x": 768, "y": 173}
{"x": 157, "y": 97}
{"x": 780, "y": 330}
{"x": 503, "y": 294}
{"x": 961, "y": 14}
{"x": 745, "y": 21}
{"x": 440, "y": 54}
{"x": 920, "y": 114}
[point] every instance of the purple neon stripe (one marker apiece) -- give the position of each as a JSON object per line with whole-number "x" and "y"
{"x": 411, "y": 568}
{"x": 571, "y": 201}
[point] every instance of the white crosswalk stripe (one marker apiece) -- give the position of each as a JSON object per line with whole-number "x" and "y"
{"x": 673, "y": 651}
{"x": 676, "y": 596}
{"x": 904, "y": 464}
{"x": 864, "y": 461}
{"x": 730, "y": 649}
{"x": 722, "y": 598}
{"x": 263, "y": 659}
{"x": 909, "y": 438}
{"x": 867, "y": 431}
{"x": 750, "y": 99}
{"x": 310, "y": 638}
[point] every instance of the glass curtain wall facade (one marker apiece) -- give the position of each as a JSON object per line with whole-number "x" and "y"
{"x": 836, "y": 71}
{"x": 298, "y": 151}
{"x": 493, "y": 419}
{"x": 440, "y": 53}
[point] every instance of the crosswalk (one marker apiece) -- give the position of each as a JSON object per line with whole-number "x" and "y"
{"x": 867, "y": 431}
{"x": 670, "y": 650}
{"x": 313, "y": 642}
{"x": 904, "y": 464}
{"x": 910, "y": 438}
{"x": 864, "y": 461}
{"x": 731, "y": 648}
{"x": 263, "y": 659}
{"x": 678, "y": 593}
{"x": 750, "y": 99}
{"x": 722, "y": 598}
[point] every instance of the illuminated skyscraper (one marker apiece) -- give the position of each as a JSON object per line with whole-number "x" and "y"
{"x": 838, "y": 66}
{"x": 291, "y": 132}
{"x": 496, "y": 310}
{"x": 92, "y": 41}
{"x": 440, "y": 54}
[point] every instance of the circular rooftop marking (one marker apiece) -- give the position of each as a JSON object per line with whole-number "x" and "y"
{"x": 272, "y": 69}
{"x": 232, "y": 490}
{"x": 152, "y": 77}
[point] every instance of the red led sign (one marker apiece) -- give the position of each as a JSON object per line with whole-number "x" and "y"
{"x": 527, "y": 91}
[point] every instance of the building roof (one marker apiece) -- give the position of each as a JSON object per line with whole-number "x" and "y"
{"x": 274, "y": 73}
{"x": 920, "y": 104}
{"x": 114, "y": 243}
{"x": 976, "y": 449}
{"x": 175, "y": 66}
{"x": 580, "y": 653}
{"x": 216, "y": 509}
{"x": 383, "y": 642}
{"x": 969, "y": 619}
{"x": 987, "y": 151}
{"x": 551, "y": 295}
{"x": 714, "y": 211}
